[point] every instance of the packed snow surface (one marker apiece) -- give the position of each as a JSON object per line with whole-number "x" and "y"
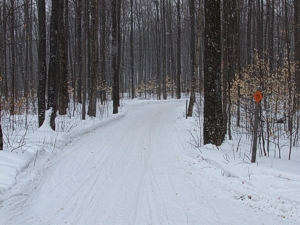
{"x": 138, "y": 168}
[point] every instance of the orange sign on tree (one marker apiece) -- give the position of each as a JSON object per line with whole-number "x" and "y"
{"x": 257, "y": 96}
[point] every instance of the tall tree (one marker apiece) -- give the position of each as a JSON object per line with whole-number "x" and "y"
{"x": 102, "y": 51}
{"x": 192, "y": 57}
{"x": 94, "y": 59}
{"x": 53, "y": 64}
{"x": 131, "y": 50}
{"x": 114, "y": 55}
{"x": 42, "y": 61}
{"x": 1, "y": 133}
{"x": 213, "y": 115}
{"x": 78, "y": 56}
{"x": 178, "y": 90}
{"x": 230, "y": 58}
{"x": 1, "y": 73}
{"x": 84, "y": 57}
{"x": 119, "y": 41}
{"x": 249, "y": 31}
{"x": 297, "y": 46}
{"x": 63, "y": 95}
{"x": 12, "y": 69}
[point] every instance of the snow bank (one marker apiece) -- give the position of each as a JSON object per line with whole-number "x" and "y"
{"x": 270, "y": 184}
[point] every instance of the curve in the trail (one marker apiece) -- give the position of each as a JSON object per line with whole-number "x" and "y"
{"x": 130, "y": 171}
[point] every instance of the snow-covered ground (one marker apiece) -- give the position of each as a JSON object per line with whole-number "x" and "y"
{"x": 139, "y": 167}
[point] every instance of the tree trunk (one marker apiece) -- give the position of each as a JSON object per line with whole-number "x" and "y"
{"x": 42, "y": 61}
{"x": 114, "y": 55}
{"x": 78, "y": 56}
{"x": 1, "y": 133}
{"x": 213, "y": 115}
{"x": 102, "y": 51}
{"x": 84, "y": 58}
{"x": 192, "y": 57}
{"x": 164, "y": 48}
{"x": 178, "y": 90}
{"x": 119, "y": 41}
{"x": 131, "y": 50}
{"x": 53, "y": 64}
{"x": 1, "y": 77}
{"x": 94, "y": 59}
{"x": 297, "y": 47}
{"x": 12, "y": 38}
{"x": 63, "y": 95}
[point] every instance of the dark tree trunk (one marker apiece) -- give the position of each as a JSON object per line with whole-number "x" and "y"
{"x": 1, "y": 75}
{"x": 297, "y": 46}
{"x": 42, "y": 61}
{"x": 249, "y": 31}
{"x": 213, "y": 115}
{"x": 84, "y": 58}
{"x": 192, "y": 57}
{"x": 230, "y": 51}
{"x": 119, "y": 43}
{"x": 114, "y": 55}
{"x": 63, "y": 96}
{"x": 1, "y": 133}
{"x": 5, "y": 78}
{"x": 53, "y": 64}
{"x": 178, "y": 90}
{"x": 131, "y": 50}
{"x": 94, "y": 59}
{"x": 12, "y": 38}
{"x": 102, "y": 51}
{"x": 78, "y": 81}
{"x": 164, "y": 48}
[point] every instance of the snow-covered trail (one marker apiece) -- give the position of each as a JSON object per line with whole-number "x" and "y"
{"x": 130, "y": 171}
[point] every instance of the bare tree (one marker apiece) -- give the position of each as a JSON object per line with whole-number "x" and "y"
{"x": 213, "y": 115}
{"x": 114, "y": 55}
{"x": 53, "y": 64}
{"x": 297, "y": 46}
{"x": 102, "y": 50}
{"x": 94, "y": 59}
{"x": 12, "y": 38}
{"x": 1, "y": 73}
{"x": 42, "y": 61}
{"x": 192, "y": 57}
{"x": 84, "y": 57}
{"x": 178, "y": 90}
{"x": 131, "y": 50}
{"x": 78, "y": 35}
{"x": 63, "y": 95}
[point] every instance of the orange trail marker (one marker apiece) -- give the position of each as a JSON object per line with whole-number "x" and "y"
{"x": 257, "y": 96}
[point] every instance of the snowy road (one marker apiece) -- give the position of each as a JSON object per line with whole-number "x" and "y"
{"x": 131, "y": 171}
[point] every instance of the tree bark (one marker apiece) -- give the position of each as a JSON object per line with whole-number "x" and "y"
{"x": 131, "y": 50}
{"x": 213, "y": 115}
{"x": 114, "y": 55}
{"x": 297, "y": 47}
{"x": 63, "y": 95}
{"x": 192, "y": 57}
{"x": 53, "y": 64}
{"x": 42, "y": 61}
{"x": 178, "y": 90}
{"x": 94, "y": 59}
{"x": 102, "y": 51}
{"x": 78, "y": 56}
{"x": 12, "y": 38}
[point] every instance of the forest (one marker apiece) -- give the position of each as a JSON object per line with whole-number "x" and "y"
{"x": 73, "y": 55}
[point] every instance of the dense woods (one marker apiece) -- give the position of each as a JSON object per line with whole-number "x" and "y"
{"x": 68, "y": 55}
